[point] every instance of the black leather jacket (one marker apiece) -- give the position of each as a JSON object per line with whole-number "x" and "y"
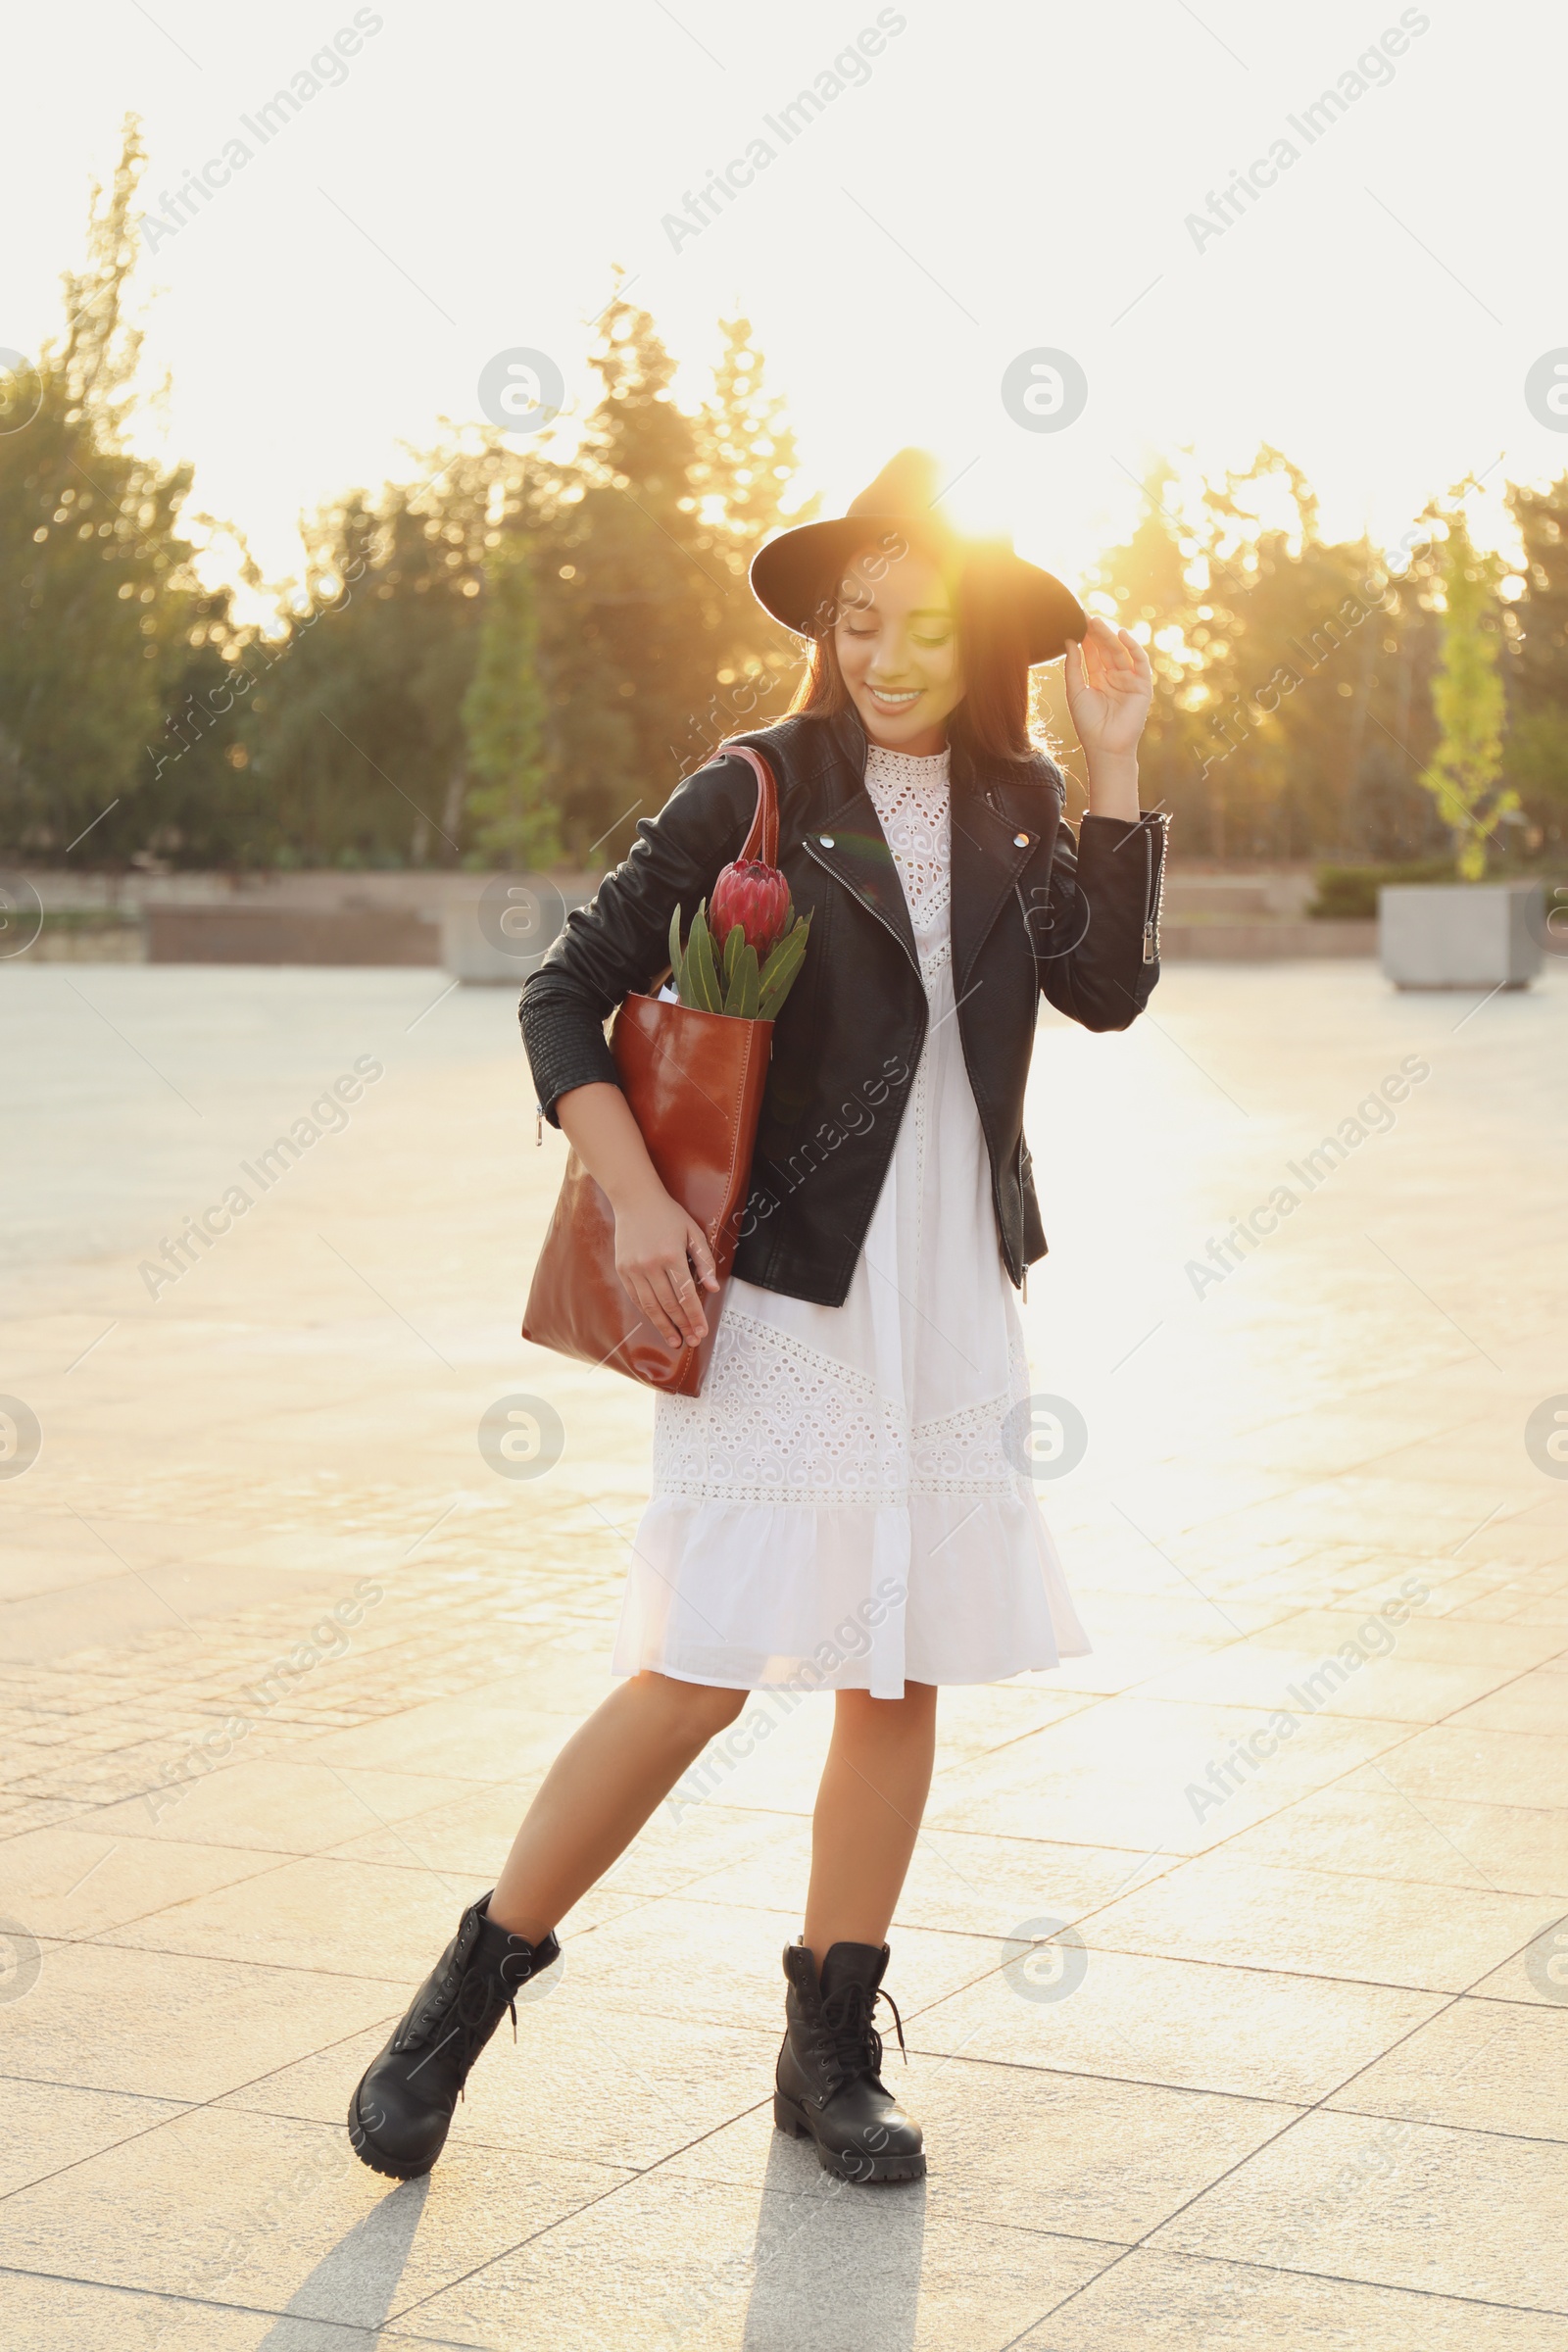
{"x": 1031, "y": 911}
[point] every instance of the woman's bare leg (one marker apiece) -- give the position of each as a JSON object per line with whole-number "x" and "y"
{"x": 601, "y": 1789}
{"x": 868, "y": 1806}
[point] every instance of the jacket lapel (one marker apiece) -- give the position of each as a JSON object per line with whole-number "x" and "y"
{"x": 990, "y": 851}
{"x": 854, "y": 848}
{"x": 851, "y": 845}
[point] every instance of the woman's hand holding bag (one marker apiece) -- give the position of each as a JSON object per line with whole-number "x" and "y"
{"x": 619, "y": 1277}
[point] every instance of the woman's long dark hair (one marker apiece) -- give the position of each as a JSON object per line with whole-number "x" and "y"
{"x": 993, "y": 715}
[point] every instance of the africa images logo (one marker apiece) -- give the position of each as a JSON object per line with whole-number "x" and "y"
{"x": 1372, "y": 70}
{"x": 850, "y": 69}
{"x": 325, "y": 71}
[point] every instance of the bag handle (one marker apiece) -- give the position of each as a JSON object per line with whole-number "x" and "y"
{"x": 763, "y": 839}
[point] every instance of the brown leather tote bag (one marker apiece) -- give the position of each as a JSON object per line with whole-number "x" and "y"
{"x": 694, "y": 1082}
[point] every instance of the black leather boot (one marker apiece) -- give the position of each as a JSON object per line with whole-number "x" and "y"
{"x": 400, "y": 2114}
{"x": 829, "y": 2083}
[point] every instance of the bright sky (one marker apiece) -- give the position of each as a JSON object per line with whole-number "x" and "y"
{"x": 990, "y": 182}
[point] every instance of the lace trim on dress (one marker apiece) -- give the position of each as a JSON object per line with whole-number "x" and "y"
{"x": 911, "y": 800}
{"x": 784, "y": 1425}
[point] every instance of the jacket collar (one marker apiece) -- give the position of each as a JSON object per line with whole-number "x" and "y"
{"x": 990, "y": 845}
{"x": 851, "y": 844}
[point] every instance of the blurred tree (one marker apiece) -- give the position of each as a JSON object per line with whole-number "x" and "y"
{"x": 105, "y": 629}
{"x": 1282, "y": 665}
{"x": 355, "y": 717}
{"x": 503, "y": 721}
{"x": 1536, "y": 749}
{"x": 1467, "y": 699}
{"x": 651, "y": 645}
{"x": 646, "y": 645}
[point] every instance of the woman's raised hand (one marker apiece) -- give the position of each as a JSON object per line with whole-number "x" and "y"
{"x": 1110, "y": 686}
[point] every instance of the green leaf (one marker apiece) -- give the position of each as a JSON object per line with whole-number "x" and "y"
{"x": 744, "y": 991}
{"x": 677, "y": 973}
{"x": 732, "y": 948}
{"x": 705, "y": 993}
{"x": 785, "y": 957}
{"x": 780, "y": 972}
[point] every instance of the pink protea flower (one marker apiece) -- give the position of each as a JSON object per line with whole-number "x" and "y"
{"x": 758, "y": 898}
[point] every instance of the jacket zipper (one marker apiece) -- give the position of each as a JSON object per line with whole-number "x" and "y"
{"x": 861, "y": 901}
{"x": 1154, "y": 895}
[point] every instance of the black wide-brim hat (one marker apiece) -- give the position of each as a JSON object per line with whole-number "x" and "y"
{"x": 796, "y": 576}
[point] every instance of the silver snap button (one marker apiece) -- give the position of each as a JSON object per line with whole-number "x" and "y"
{"x": 826, "y": 839}
{"x": 1020, "y": 841}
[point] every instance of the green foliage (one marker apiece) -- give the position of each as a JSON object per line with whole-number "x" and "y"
{"x": 1288, "y": 714}
{"x": 1536, "y": 755}
{"x": 743, "y": 991}
{"x": 1536, "y": 748}
{"x": 354, "y": 721}
{"x": 1468, "y": 700}
{"x": 1348, "y": 894}
{"x": 105, "y": 632}
{"x": 503, "y": 722}
{"x": 651, "y": 646}
{"x": 434, "y": 713}
{"x": 731, "y": 981}
{"x": 511, "y": 658}
{"x": 779, "y": 972}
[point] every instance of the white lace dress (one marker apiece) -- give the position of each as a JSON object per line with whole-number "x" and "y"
{"x": 837, "y": 1508}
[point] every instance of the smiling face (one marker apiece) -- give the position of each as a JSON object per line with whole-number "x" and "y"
{"x": 897, "y": 644}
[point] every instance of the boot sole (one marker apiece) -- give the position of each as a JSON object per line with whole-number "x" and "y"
{"x": 365, "y": 2149}
{"x": 867, "y": 2170}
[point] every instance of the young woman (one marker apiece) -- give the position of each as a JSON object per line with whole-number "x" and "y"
{"x": 847, "y": 1505}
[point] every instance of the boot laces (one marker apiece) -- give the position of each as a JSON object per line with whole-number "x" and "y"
{"x": 471, "y": 2019}
{"x": 851, "y": 2045}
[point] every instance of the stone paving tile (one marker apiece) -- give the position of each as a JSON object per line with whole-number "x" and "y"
{"x": 1391, "y": 1688}
{"x": 260, "y": 2210}
{"x": 683, "y": 1844}
{"x": 1074, "y": 2155}
{"x": 315, "y": 1913}
{"x": 1118, "y": 1775}
{"x": 1481, "y": 2066}
{"x": 285, "y": 1804}
{"x": 322, "y": 1912}
{"x": 1395, "y": 2204}
{"x": 43, "y": 2314}
{"x": 50, "y": 2125}
{"x": 610, "y": 2086}
{"x": 1538, "y": 1972}
{"x": 968, "y": 1885}
{"x": 1362, "y": 1825}
{"x": 1157, "y": 2302}
{"x": 454, "y": 1737}
{"x": 74, "y": 1881}
{"x": 754, "y": 2266}
{"x": 1244, "y": 1505}
{"x": 171, "y": 2026}
{"x": 1321, "y": 1923}
{"x": 780, "y": 1769}
{"x": 679, "y": 1958}
{"x": 1425, "y": 1635}
{"x": 1533, "y": 1702}
{"x": 1181, "y": 2023}
{"x": 1490, "y": 1767}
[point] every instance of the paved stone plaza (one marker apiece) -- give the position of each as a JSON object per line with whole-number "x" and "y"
{"x": 1294, "y": 2072}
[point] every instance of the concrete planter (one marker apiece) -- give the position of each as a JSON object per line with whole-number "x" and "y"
{"x": 495, "y": 932}
{"x": 1461, "y": 934}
